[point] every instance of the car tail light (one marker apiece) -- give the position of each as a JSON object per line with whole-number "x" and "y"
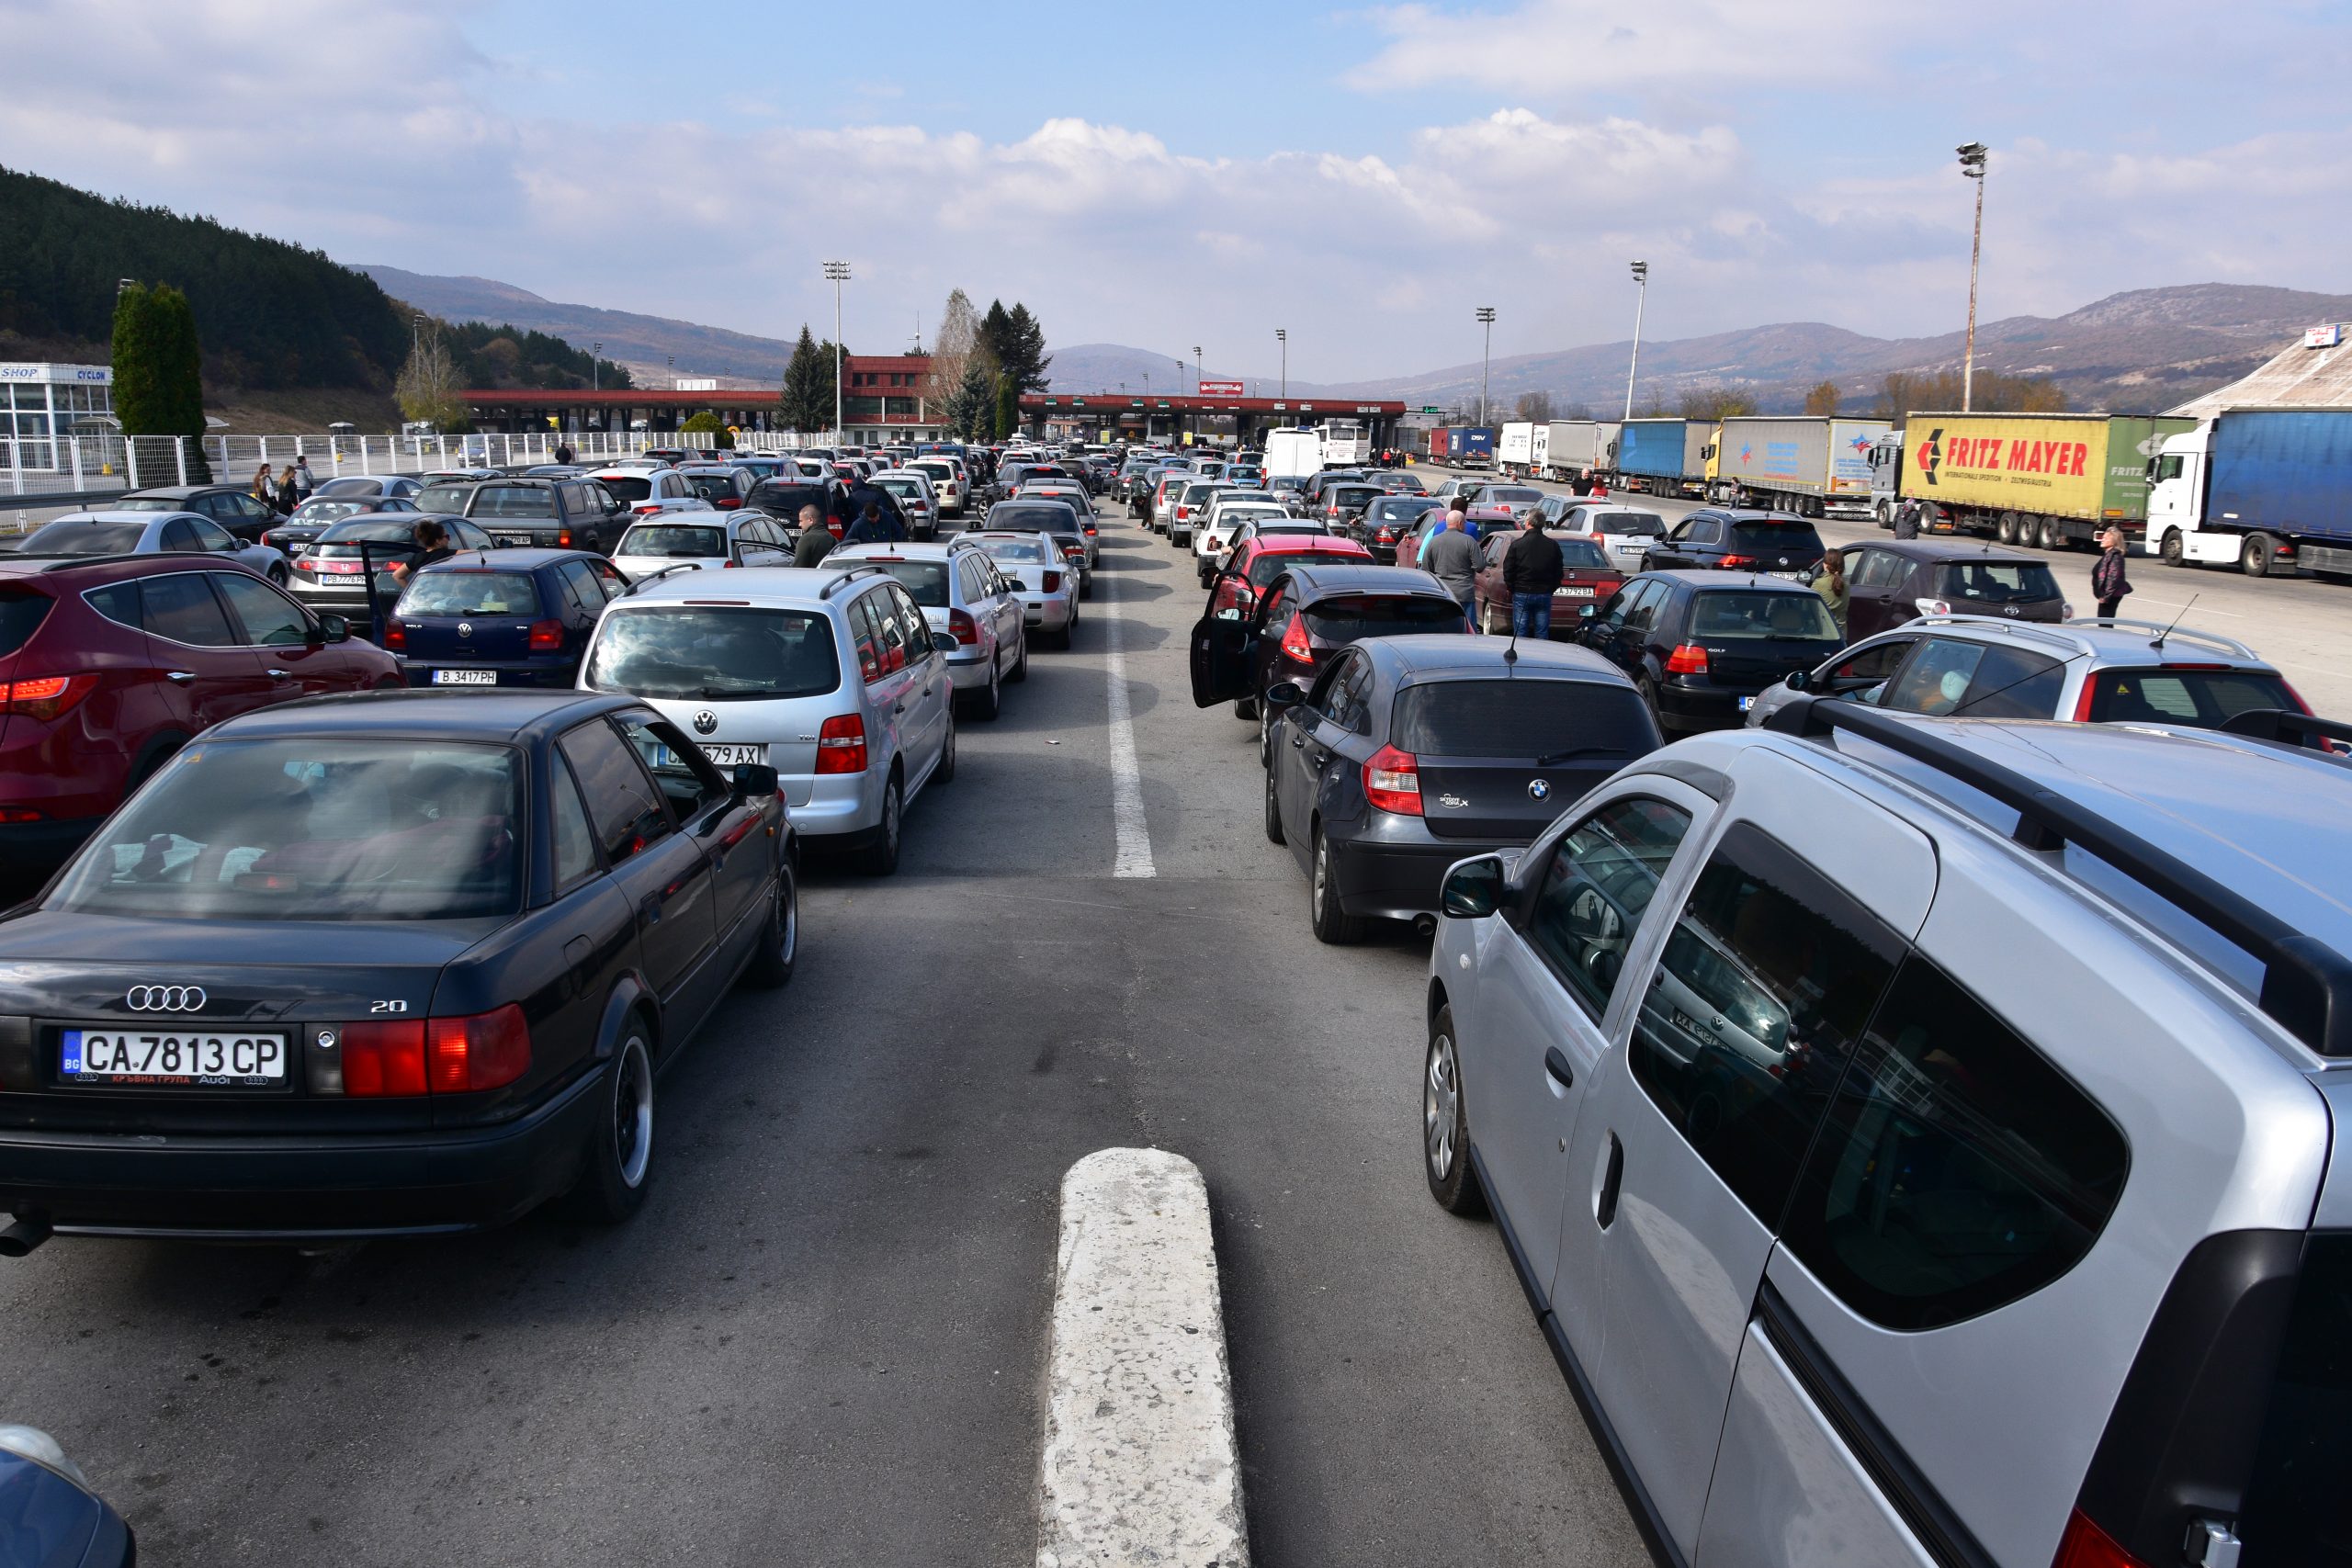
{"x": 730, "y": 561}
{"x": 1294, "y": 644}
{"x": 483, "y": 1050}
{"x": 2082, "y": 703}
{"x": 547, "y": 636}
{"x": 563, "y": 539}
{"x": 383, "y": 1058}
{"x": 1387, "y": 535}
{"x": 396, "y": 635}
{"x": 1730, "y": 562}
{"x": 45, "y": 696}
{"x": 1933, "y": 606}
{"x": 841, "y": 744}
{"x": 727, "y": 503}
{"x": 646, "y": 509}
{"x": 965, "y": 631}
{"x": 1053, "y": 582}
{"x": 1688, "y": 659}
{"x": 18, "y": 815}
{"x": 1392, "y": 782}
{"x": 2085, "y": 1545}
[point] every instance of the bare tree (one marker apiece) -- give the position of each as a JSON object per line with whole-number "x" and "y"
{"x": 427, "y": 386}
{"x": 1716, "y": 402}
{"x": 1535, "y": 407}
{"x": 1822, "y": 398}
{"x": 951, "y": 349}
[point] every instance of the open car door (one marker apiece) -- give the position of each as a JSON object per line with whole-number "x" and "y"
{"x": 1221, "y": 655}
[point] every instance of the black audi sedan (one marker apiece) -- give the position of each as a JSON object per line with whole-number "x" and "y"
{"x": 1408, "y": 753}
{"x": 400, "y": 964}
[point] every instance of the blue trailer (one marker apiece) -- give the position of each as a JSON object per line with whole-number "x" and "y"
{"x": 1471, "y": 446}
{"x": 1652, "y": 452}
{"x": 2267, "y": 490}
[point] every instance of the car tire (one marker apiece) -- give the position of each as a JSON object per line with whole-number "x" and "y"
{"x": 1648, "y": 690}
{"x": 1020, "y": 659}
{"x": 2255, "y": 557}
{"x": 619, "y": 1161}
{"x": 881, "y": 854}
{"x": 944, "y": 771}
{"x": 1445, "y": 1124}
{"x": 771, "y": 962}
{"x": 1273, "y": 812}
{"x": 988, "y": 701}
{"x": 1332, "y": 924}
{"x": 2172, "y": 552}
{"x": 279, "y": 575}
{"x": 1266, "y": 737}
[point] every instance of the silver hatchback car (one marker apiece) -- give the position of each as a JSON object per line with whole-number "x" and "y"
{"x": 831, "y": 675}
{"x": 964, "y": 594}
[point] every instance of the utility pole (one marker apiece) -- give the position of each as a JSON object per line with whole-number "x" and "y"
{"x": 1282, "y": 336}
{"x": 1971, "y": 164}
{"x": 1640, "y": 298}
{"x": 839, "y": 272}
{"x": 1486, "y": 317}
{"x": 596, "y": 368}
{"x": 1196, "y": 370}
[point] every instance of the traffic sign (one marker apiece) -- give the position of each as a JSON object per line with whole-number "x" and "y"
{"x": 1426, "y": 409}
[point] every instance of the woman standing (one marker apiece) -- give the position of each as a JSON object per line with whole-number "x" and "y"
{"x": 289, "y": 490}
{"x": 2109, "y": 583}
{"x": 263, "y": 491}
{"x": 1830, "y": 583}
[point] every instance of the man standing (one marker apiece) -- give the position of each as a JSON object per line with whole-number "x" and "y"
{"x": 1452, "y": 559}
{"x": 1531, "y": 574}
{"x": 1906, "y": 518}
{"x": 869, "y": 529}
{"x": 2109, "y": 583}
{"x": 303, "y": 483}
{"x": 816, "y": 541}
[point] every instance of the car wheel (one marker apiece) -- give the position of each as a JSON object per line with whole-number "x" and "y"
{"x": 1332, "y": 924}
{"x": 945, "y": 770}
{"x": 1649, "y": 692}
{"x": 989, "y": 702}
{"x": 881, "y": 856}
{"x": 2171, "y": 552}
{"x": 771, "y": 966}
{"x": 277, "y": 575}
{"x": 1445, "y": 1124}
{"x": 620, "y": 1151}
{"x": 2255, "y": 558}
{"x": 1020, "y": 659}
{"x": 1266, "y": 739}
{"x": 1273, "y": 812}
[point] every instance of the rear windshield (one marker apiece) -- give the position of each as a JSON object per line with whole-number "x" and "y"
{"x": 374, "y": 531}
{"x": 468, "y": 590}
{"x": 933, "y": 470}
{"x": 1728, "y": 616}
{"x": 1640, "y": 524}
{"x": 150, "y": 503}
{"x": 1776, "y": 536}
{"x": 715, "y": 653}
{"x": 67, "y": 537}
{"x": 926, "y": 579}
{"x": 1521, "y": 719}
{"x": 1023, "y": 552}
{"x": 444, "y": 498}
{"x": 905, "y": 490}
{"x": 2200, "y": 697}
{"x": 1346, "y": 619}
{"x": 1514, "y": 495}
{"x": 350, "y": 487}
{"x": 626, "y": 489}
{"x": 672, "y": 540}
{"x": 312, "y": 828}
{"x": 713, "y": 487}
{"x": 516, "y": 501}
{"x": 1576, "y": 550}
{"x": 21, "y": 611}
{"x": 1997, "y": 582}
{"x": 1401, "y": 507}
{"x": 2294, "y": 1502}
{"x": 1270, "y": 564}
{"x": 1026, "y": 517}
{"x": 316, "y": 512}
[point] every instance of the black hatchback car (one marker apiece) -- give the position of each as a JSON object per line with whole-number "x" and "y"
{"x": 231, "y": 506}
{"x": 1408, "y": 753}
{"x": 1304, "y": 617}
{"x": 1717, "y": 536}
{"x": 1701, "y": 645}
{"x": 398, "y": 965}
{"x": 567, "y": 514}
{"x": 502, "y": 617}
{"x": 1893, "y": 581}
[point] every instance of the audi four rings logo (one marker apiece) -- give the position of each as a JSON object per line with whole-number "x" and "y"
{"x": 705, "y": 722}
{"x": 165, "y": 999}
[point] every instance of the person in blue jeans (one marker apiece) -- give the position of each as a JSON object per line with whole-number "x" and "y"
{"x": 1531, "y": 572}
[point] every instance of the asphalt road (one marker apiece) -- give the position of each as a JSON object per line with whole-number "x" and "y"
{"x": 821, "y": 1341}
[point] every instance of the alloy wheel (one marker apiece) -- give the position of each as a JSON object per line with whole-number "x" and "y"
{"x": 1441, "y": 1106}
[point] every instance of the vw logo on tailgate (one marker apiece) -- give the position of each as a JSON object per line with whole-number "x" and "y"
{"x": 705, "y": 722}
{"x": 165, "y": 999}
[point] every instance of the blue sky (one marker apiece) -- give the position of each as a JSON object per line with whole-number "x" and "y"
{"x": 1362, "y": 175}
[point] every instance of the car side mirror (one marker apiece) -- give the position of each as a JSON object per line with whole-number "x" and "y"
{"x": 1284, "y": 694}
{"x": 1798, "y": 681}
{"x": 754, "y": 779}
{"x": 1473, "y": 889}
{"x": 943, "y": 642}
{"x": 333, "y": 628}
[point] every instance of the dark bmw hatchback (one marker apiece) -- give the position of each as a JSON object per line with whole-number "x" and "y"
{"x": 502, "y": 617}
{"x": 395, "y": 964}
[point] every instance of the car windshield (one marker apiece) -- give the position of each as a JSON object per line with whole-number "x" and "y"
{"x": 1995, "y": 582}
{"x": 715, "y": 653}
{"x": 467, "y": 591}
{"x": 1636, "y": 525}
{"x": 2205, "y": 698}
{"x": 516, "y": 501}
{"x": 937, "y": 471}
{"x": 1725, "y": 615}
{"x": 1021, "y": 552}
{"x": 905, "y": 490}
{"x": 312, "y": 828}
{"x": 674, "y": 541}
{"x": 1797, "y": 536}
{"x": 1348, "y": 617}
{"x": 76, "y": 536}
{"x": 315, "y": 513}
{"x": 1521, "y": 719}
{"x": 444, "y": 498}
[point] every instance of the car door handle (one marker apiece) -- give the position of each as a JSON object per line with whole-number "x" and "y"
{"x": 279, "y": 675}
{"x": 1556, "y": 1064}
{"x": 1612, "y": 1176}
{"x": 179, "y": 677}
{"x": 900, "y": 708}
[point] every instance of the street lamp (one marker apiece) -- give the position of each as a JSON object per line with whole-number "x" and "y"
{"x": 1282, "y": 337}
{"x": 1640, "y": 298}
{"x": 1971, "y": 165}
{"x": 596, "y": 368}
{"x": 1486, "y": 317}
{"x": 839, "y": 273}
{"x": 1196, "y": 370}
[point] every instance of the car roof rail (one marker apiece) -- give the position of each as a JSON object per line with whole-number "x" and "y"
{"x": 2286, "y": 724}
{"x": 653, "y": 577}
{"x": 2160, "y": 633}
{"x": 845, "y": 579}
{"x": 2042, "y": 631}
{"x": 2306, "y": 985}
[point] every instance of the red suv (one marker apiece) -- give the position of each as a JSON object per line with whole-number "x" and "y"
{"x": 109, "y": 665}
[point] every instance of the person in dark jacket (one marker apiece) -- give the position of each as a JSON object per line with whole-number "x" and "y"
{"x": 1531, "y": 574}
{"x": 869, "y": 529}
{"x": 1906, "y": 518}
{"x": 2108, "y": 581}
{"x": 1452, "y": 559}
{"x": 816, "y": 541}
{"x": 868, "y": 498}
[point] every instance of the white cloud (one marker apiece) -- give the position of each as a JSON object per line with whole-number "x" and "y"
{"x": 1553, "y": 49}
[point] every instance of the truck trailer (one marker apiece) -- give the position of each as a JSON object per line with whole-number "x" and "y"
{"x": 1663, "y": 456}
{"x": 1515, "y": 447}
{"x": 1293, "y": 453}
{"x": 1806, "y": 464}
{"x": 2267, "y": 489}
{"x": 1470, "y": 446}
{"x": 2025, "y": 478}
{"x": 1569, "y": 448}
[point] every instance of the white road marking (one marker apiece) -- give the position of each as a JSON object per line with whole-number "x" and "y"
{"x": 1132, "y": 855}
{"x": 1141, "y": 1463}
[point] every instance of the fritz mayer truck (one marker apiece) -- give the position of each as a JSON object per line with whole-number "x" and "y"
{"x": 1807, "y": 466}
{"x": 2031, "y": 479}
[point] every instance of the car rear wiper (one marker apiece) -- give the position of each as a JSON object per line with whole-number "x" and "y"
{"x": 1579, "y": 752}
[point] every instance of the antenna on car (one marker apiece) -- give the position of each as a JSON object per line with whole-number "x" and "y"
{"x": 2159, "y": 644}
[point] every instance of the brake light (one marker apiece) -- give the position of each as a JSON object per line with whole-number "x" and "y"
{"x": 563, "y": 539}
{"x": 965, "y": 631}
{"x": 483, "y": 1050}
{"x": 1688, "y": 659}
{"x": 45, "y": 696}
{"x": 1729, "y": 562}
{"x": 396, "y": 635}
{"x": 841, "y": 744}
{"x": 2085, "y": 1545}
{"x": 15, "y": 815}
{"x": 1294, "y": 644}
{"x": 727, "y": 503}
{"x": 1053, "y": 582}
{"x": 646, "y": 509}
{"x": 547, "y": 636}
{"x": 383, "y": 1058}
{"x": 1392, "y": 782}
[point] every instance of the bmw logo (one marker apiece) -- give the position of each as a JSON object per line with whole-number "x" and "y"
{"x": 1537, "y": 789}
{"x": 705, "y": 722}
{"x": 464, "y": 628}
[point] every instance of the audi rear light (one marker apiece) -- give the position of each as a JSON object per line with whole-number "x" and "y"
{"x": 547, "y": 636}
{"x": 1053, "y": 582}
{"x": 1294, "y": 644}
{"x": 1392, "y": 782}
{"x": 1688, "y": 659}
{"x": 1732, "y": 562}
{"x": 483, "y": 1050}
{"x": 841, "y": 744}
{"x": 2085, "y": 1545}
{"x": 396, "y": 635}
{"x": 45, "y": 696}
{"x": 646, "y": 509}
{"x": 965, "y": 631}
{"x": 381, "y": 1059}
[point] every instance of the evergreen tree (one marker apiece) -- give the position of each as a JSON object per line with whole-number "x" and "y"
{"x": 971, "y": 408}
{"x": 140, "y": 390}
{"x": 1028, "y": 361}
{"x": 1008, "y": 409}
{"x": 181, "y": 404}
{"x": 808, "y": 394}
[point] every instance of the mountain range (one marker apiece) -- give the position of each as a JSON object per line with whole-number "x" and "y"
{"x": 2144, "y": 350}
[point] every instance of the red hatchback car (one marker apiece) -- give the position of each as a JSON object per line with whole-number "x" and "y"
{"x": 110, "y": 664}
{"x": 1586, "y": 580}
{"x": 1258, "y": 561}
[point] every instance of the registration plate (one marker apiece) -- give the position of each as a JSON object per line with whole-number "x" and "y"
{"x": 1793, "y": 576}
{"x": 1747, "y": 702}
{"x": 227, "y": 1060}
{"x": 465, "y": 677}
{"x": 1573, "y": 592}
{"x": 511, "y": 538}
{"x": 731, "y": 756}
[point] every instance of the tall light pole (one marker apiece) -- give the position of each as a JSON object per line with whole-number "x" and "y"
{"x": 1640, "y": 298}
{"x": 839, "y": 273}
{"x": 1282, "y": 337}
{"x": 1486, "y": 318}
{"x": 1196, "y": 370}
{"x": 1971, "y": 164}
{"x": 596, "y": 368}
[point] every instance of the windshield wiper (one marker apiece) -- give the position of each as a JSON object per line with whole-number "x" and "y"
{"x": 1579, "y": 752}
